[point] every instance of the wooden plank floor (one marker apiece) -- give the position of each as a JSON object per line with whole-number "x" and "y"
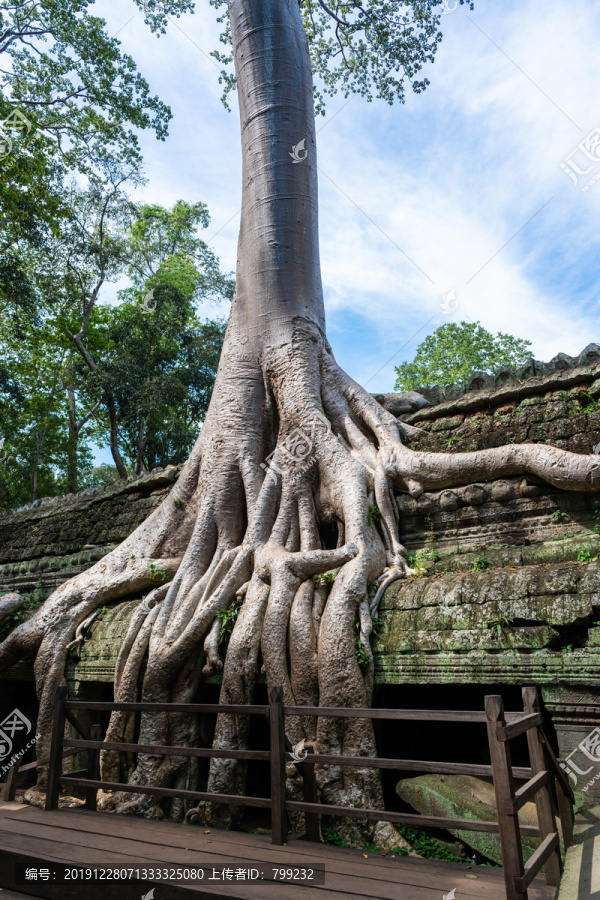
{"x": 84, "y": 838}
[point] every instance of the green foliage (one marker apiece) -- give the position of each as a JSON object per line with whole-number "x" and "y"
{"x": 330, "y": 836}
{"x": 155, "y": 571}
{"x": 499, "y": 623}
{"x": 32, "y": 602}
{"x": 425, "y": 846}
{"x": 359, "y": 652}
{"x": 427, "y": 553}
{"x": 480, "y": 563}
{"x": 378, "y": 625}
{"x": 452, "y": 440}
{"x": 588, "y": 403}
{"x": 76, "y": 102}
{"x": 430, "y": 848}
{"x": 154, "y": 369}
{"x": 374, "y": 514}
{"x": 178, "y": 504}
{"x": 454, "y": 352}
{"x": 70, "y": 77}
{"x": 326, "y": 577}
{"x": 361, "y": 655}
{"x": 568, "y": 648}
{"x": 227, "y": 618}
{"x": 583, "y": 555}
{"x": 558, "y": 515}
{"x": 367, "y": 47}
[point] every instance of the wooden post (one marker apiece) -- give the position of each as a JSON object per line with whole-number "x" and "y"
{"x": 565, "y": 810}
{"x": 543, "y": 798}
{"x": 508, "y": 820}
{"x": 91, "y": 793}
{"x": 56, "y": 748}
{"x": 10, "y": 788}
{"x": 309, "y": 787}
{"x": 277, "y": 733}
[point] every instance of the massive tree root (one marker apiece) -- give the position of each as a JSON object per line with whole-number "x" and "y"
{"x": 292, "y": 451}
{"x": 252, "y": 529}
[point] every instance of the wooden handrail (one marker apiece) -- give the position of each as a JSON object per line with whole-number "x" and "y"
{"x": 558, "y": 773}
{"x": 218, "y": 708}
{"x": 201, "y": 752}
{"x": 535, "y": 862}
{"x": 416, "y": 820}
{"x": 529, "y": 790}
{"x": 502, "y": 728}
{"x": 518, "y": 726}
{"x": 230, "y": 799}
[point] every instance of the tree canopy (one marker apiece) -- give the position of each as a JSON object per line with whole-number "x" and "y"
{"x": 136, "y": 376}
{"x": 366, "y": 47}
{"x": 453, "y": 352}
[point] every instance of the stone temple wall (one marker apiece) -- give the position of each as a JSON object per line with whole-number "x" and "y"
{"x": 508, "y": 585}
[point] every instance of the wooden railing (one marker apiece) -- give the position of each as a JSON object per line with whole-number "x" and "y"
{"x": 544, "y": 780}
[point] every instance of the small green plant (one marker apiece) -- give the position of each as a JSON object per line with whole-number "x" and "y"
{"x": 568, "y": 648}
{"x": 377, "y": 625}
{"x": 583, "y": 555}
{"x": 558, "y": 514}
{"x": 374, "y": 514}
{"x": 597, "y": 520}
{"x": 430, "y": 848}
{"x": 452, "y": 440}
{"x": 326, "y": 577}
{"x": 332, "y": 837}
{"x": 155, "y": 571}
{"x": 427, "y": 553}
{"x": 31, "y": 602}
{"x": 227, "y": 618}
{"x": 591, "y": 406}
{"x": 359, "y": 652}
{"x": 372, "y": 586}
{"x": 499, "y": 623}
{"x": 480, "y": 563}
{"x": 178, "y": 504}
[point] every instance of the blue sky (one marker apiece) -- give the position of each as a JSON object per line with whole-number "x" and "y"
{"x": 460, "y": 188}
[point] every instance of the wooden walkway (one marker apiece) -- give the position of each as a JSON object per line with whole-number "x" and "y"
{"x": 82, "y": 838}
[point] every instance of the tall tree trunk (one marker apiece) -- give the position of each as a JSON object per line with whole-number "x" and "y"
{"x": 291, "y": 448}
{"x": 114, "y": 435}
{"x": 73, "y": 440}
{"x": 140, "y": 444}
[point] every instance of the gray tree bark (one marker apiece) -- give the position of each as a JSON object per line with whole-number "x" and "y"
{"x": 290, "y": 444}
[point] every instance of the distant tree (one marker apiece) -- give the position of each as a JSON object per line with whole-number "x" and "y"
{"x": 161, "y": 368}
{"x": 453, "y": 352}
{"x": 100, "y": 476}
